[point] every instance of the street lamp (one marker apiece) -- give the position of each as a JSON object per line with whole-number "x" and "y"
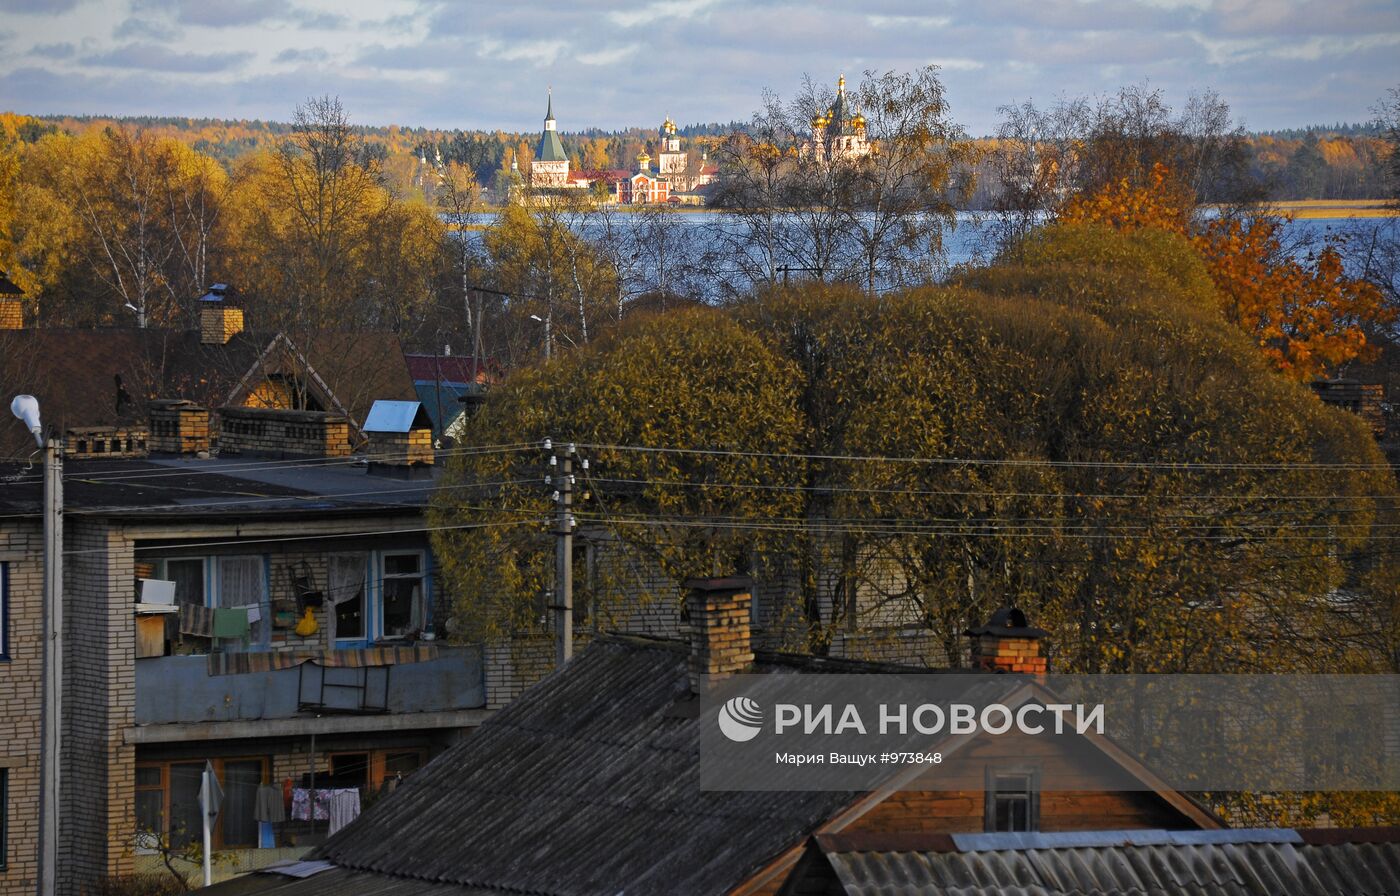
{"x": 26, "y": 408}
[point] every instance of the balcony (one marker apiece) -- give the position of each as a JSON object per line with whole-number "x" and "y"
{"x": 178, "y": 699}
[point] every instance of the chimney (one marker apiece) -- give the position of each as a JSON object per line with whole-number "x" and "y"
{"x": 1007, "y": 643}
{"x": 218, "y": 322}
{"x": 720, "y": 643}
{"x": 400, "y": 439}
{"x": 11, "y": 308}
{"x": 179, "y": 427}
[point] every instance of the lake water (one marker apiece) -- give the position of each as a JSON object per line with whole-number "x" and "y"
{"x": 695, "y": 243}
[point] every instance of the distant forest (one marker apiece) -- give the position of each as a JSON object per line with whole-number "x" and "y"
{"x": 1338, "y": 161}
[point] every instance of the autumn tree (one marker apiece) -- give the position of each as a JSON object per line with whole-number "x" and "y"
{"x": 556, "y": 286}
{"x": 1308, "y": 316}
{"x": 318, "y": 244}
{"x": 1046, "y": 156}
{"x": 908, "y": 463}
{"x": 137, "y": 226}
{"x": 876, "y": 219}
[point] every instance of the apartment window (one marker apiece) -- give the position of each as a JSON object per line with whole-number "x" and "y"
{"x": 1013, "y": 801}
{"x": 167, "y": 802}
{"x": 188, "y": 575}
{"x": 371, "y": 770}
{"x": 4, "y": 618}
{"x": 401, "y": 606}
{"x": 4, "y": 813}
{"x": 347, "y": 595}
{"x": 243, "y": 583}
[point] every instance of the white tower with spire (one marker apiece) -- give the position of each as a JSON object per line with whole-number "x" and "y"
{"x": 550, "y": 166}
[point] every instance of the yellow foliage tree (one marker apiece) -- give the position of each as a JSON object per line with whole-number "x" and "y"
{"x": 1308, "y": 318}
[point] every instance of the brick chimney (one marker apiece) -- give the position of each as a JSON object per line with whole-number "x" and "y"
{"x": 720, "y": 643}
{"x": 400, "y": 439}
{"x": 11, "y": 307}
{"x": 1007, "y": 643}
{"x": 218, "y": 321}
{"x": 179, "y": 427}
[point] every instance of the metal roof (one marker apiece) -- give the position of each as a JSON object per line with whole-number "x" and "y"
{"x": 1237, "y": 863}
{"x": 396, "y": 416}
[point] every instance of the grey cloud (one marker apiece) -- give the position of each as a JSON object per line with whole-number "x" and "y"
{"x": 218, "y": 14}
{"x": 156, "y": 57}
{"x": 1279, "y": 63}
{"x": 140, "y": 27}
{"x": 44, "y": 7}
{"x": 311, "y": 54}
{"x": 54, "y": 51}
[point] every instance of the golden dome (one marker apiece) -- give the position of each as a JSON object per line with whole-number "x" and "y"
{"x": 644, "y": 158}
{"x": 668, "y": 125}
{"x": 841, "y": 83}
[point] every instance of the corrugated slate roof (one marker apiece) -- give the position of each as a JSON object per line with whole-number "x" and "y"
{"x": 587, "y": 784}
{"x": 1239, "y": 863}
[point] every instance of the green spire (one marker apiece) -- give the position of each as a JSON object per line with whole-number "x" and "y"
{"x": 550, "y": 148}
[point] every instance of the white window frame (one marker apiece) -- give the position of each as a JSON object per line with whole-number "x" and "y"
{"x": 381, "y": 577}
{"x": 213, "y": 597}
{"x": 163, "y": 571}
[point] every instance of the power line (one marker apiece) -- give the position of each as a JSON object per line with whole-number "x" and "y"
{"x": 990, "y": 493}
{"x": 1183, "y": 466}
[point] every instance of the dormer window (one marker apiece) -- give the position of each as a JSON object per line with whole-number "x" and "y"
{"x": 1013, "y": 801}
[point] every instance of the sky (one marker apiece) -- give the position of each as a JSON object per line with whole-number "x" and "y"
{"x": 477, "y": 65}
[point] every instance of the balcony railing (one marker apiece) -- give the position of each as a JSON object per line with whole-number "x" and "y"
{"x": 180, "y": 689}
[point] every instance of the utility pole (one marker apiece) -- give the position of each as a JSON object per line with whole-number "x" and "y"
{"x": 562, "y": 467}
{"x": 53, "y": 664}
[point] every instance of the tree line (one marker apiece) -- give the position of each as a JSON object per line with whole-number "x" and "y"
{"x": 1339, "y": 161}
{"x": 125, "y": 226}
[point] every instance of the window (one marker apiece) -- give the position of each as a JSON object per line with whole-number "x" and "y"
{"x": 4, "y": 812}
{"x": 347, "y": 595}
{"x": 371, "y": 770}
{"x": 1013, "y": 801}
{"x": 188, "y": 575}
{"x": 401, "y": 610}
{"x": 167, "y": 802}
{"x": 4, "y": 625}
{"x": 243, "y": 583}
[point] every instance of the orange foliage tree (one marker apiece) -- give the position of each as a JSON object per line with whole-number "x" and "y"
{"x": 1308, "y": 316}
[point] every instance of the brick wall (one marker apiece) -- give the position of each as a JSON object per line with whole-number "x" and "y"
{"x": 413, "y": 447}
{"x": 179, "y": 427}
{"x": 265, "y": 432}
{"x": 11, "y": 314}
{"x": 513, "y": 667}
{"x": 218, "y": 325}
{"x": 98, "y": 791}
{"x": 106, "y": 441}
{"x": 21, "y": 699}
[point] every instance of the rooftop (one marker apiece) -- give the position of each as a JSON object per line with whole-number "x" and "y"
{"x": 161, "y": 487}
{"x": 1278, "y": 862}
{"x": 588, "y": 783}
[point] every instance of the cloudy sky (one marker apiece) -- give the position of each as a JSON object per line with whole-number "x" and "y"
{"x": 475, "y": 64}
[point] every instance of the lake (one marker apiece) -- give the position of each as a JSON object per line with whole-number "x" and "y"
{"x": 695, "y": 244}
